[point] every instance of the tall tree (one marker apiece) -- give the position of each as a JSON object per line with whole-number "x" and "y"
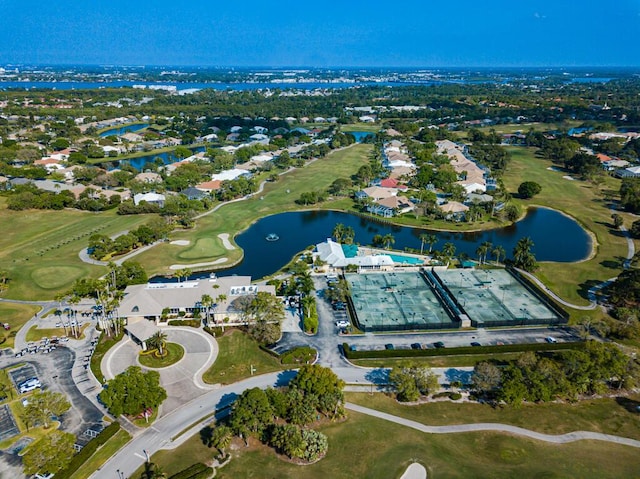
{"x": 133, "y": 391}
{"x": 523, "y": 258}
{"x": 498, "y": 252}
{"x": 43, "y": 405}
{"x": 50, "y": 454}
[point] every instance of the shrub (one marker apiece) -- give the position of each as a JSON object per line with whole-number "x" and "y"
{"x": 455, "y": 396}
{"x": 216, "y": 331}
{"x": 300, "y": 355}
{"x": 506, "y": 348}
{"x": 192, "y": 323}
{"x": 195, "y": 471}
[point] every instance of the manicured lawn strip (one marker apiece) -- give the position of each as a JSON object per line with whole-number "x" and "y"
{"x": 277, "y": 197}
{"x": 9, "y": 390}
{"x": 598, "y": 415}
{"x": 16, "y": 314}
{"x": 434, "y": 362}
{"x": 373, "y": 128}
{"x": 238, "y": 352}
{"x": 173, "y": 353}
{"x": 36, "y": 334}
{"x": 40, "y": 249}
{"x": 104, "y": 344}
{"x": 103, "y": 454}
{"x": 373, "y": 448}
{"x": 584, "y": 202}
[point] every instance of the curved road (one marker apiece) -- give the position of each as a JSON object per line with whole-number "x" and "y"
{"x": 170, "y": 431}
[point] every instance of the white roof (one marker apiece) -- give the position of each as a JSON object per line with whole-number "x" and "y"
{"x": 634, "y": 169}
{"x": 148, "y": 197}
{"x": 229, "y": 174}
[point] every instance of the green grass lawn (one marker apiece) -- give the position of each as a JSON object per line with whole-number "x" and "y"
{"x": 434, "y": 362}
{"x": 202, "y": 248}
{"x": 36, "y": 334}
{"x": 232, "y": 218}
{"x": 584, "y": 202}
{"x": 173, "y": 353}
{"x": 598, "y": 415}
{"x": 102, "y": 455}
{"x": 40, "y": 249}
{"x": 16, "y": 315}
{"x": 366, "y": 447}
{"x": 371, "y": 127}
{"x": 238, "y": 352}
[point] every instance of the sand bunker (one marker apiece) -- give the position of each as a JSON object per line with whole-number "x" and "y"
{"x": 198, "y": 265}
{"x": 224, "y": 237}
{"x": 181, "y": 242}
{"x": 415, "y": 471}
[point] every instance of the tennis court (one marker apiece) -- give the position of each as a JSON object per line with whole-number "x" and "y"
{"x": 389, "y": 301}
{"x": 495, "y": 298}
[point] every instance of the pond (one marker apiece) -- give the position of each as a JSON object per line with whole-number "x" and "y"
{"x": 140, "y": 163}
{"x": 556, "y": 237}
{"x": 121, "y": 130}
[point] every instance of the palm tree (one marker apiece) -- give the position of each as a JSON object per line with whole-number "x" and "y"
{"x": 338, "y": 232}
{"x": 183, "y": 273}
{"x": 483, "y": 250}
{"x": 522, "y": 255}
{"x": 448, "y": 250}
{"x": 206, "y": 302}
{"x": 219, "y": 299}
{"x": 349, "y": 235}
{"x": 152, "y": 471}
{"x": 157, "y": 341}
{"x": 221, "y": 438}
{"x": 388, "y": 240}
{"x": 498, "y": 252}
{"x": 423, "y": 239}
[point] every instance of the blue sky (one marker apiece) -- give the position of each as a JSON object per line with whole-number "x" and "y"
{"x": 410, "y": 33}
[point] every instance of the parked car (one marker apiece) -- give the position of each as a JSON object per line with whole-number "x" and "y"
{"x": 389, "y": 346}
{"x": 416, "y": 346}
{"x": 475, "y": 343}
{"x": 342, "y": 323}
{"x": 550, "y": 339}
{"x": 438, "y": 344}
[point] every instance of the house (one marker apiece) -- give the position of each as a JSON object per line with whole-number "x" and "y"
{"x": 50, "y": 164}
{"x": 228, "y": 175}
{"x": 152, "y": 301}
{"x": 631, "y": 172}
{"x": 391, "y": 206}
{"x": 209, "y": 186}
{"x": 152, "y": 198}
{"x": 148, "y": 178}
{"x": 454, "y": 210}
{"x": 377, "y": 193}
{"x": 194, "y": 193}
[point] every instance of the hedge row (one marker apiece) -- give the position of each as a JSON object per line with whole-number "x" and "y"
{"x": 192, "y": 323}
{"x": 87, "y": 451}
{"x": 465, "y": 350}
{"x": 195, "y": 471}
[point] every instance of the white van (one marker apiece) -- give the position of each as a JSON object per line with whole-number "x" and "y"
{"x": 343, "y": 323}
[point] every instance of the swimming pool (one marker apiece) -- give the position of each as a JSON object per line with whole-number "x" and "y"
{"x": 405, "y": 259}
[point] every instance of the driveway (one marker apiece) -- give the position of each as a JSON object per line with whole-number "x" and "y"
{"x": 183, "y": 380}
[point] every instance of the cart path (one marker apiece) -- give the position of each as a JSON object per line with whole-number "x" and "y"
{"x": 497, "y": 427}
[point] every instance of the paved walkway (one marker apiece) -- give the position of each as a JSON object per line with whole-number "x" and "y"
{"x": 544, "y": 287}
{"x": 415, "y": 471}
{"x": 497, "y": 427}
{"x": 182, "y": 380}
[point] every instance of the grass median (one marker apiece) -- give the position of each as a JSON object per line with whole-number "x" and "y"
{"x": 15, "y": 315}
{"x": 238, "y": 354}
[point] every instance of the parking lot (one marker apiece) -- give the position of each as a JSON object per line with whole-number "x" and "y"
{"x": 21, "y": 374}
{"x": 8, "y": 427}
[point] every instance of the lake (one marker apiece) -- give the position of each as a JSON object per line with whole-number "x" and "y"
{"x": 140, "y": 163}
{"x": 121, "y": 130}
{"x": 556, "y": 238}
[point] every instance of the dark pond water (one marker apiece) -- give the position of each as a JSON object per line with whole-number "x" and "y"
{"x": 556, "y": 238}
{"x": 121, "y": 130}
{"x": 360, "y": 135}
{"x": 140, "y": 162}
